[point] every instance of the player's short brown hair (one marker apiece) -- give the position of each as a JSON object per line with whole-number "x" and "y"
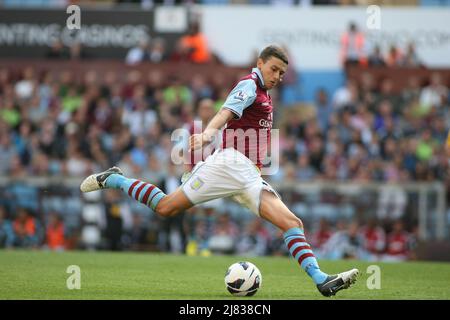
{"x": 273, "y": 51}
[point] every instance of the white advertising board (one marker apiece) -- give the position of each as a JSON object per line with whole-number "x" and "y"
{"x": 313, "y": 34}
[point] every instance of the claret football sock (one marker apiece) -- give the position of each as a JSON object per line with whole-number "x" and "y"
{"x": 144, "y": 192}
{"x": 301, "y": 251}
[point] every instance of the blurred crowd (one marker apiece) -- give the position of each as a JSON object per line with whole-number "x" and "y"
{"x": 56, "y": 124}
{"x": 53, "y": 127}
{"x": 365, "y": 132}
{"x": 362, "y": 132}
{"x": 341, "y": 240}
{"x": 206, "y": 233}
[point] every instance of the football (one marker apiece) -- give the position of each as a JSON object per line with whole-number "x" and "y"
{"x": 243, "y": 279}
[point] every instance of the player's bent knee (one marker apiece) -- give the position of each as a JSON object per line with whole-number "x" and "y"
{"x": 172, "y": 204}
{"x": 297, "y": 223}
{"x": 166, "y": 209}
{"x": 294, "y": 222}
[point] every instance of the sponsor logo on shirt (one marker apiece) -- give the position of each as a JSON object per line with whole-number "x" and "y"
{"x": 265, "y": 123}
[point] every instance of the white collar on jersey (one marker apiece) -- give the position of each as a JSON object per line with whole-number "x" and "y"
{"x": 258, "y": 72}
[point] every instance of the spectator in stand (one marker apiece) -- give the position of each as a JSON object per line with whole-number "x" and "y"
{"x": 138, "y": 117}
{"x": 368, "y": 89}
{"x": 7, "y": 152}
{"x": 316, "y": 151}
{"x": 376, "y": 58}
{"x": 60, "y": 123}
{"x": 158, "y": 51}
{"x": 344, "y": 128}
{"x": 353, "y": 47}
{"x": 412, "y": 91}
{"x": 199, "y": 239}
{"x": 374, "y": 239}
{"x": 117, "y": 219}
{"x": 25, "y": 88}
{"x": 255, "y": 239}
{"x": 180, "y": 52}
{"x": 177, "y": 93}
{"x": 324, "y": 109}
{"x": 205, "y": 112}
{"x": 196, "y": 44}
{"x": 57, "y": 51}
{"x": 439, "y": 129}
{"x": 304, "y": 171}
{"x": 9, "y": 113}
{"x": 139, "y": 153}
{"x": 410, "y": 59}
{"x": 426, "y": 146}
{"x": 387, "y": 93}
{"x": 394, "y": 57}
{"x": 435, "y": 94}
{"x": 6, "y": 230}
{"x": 200, "y": 88}
{"x": 277, "y": 246}
{"x": 345, "y": 243}
{"x": 138, "y": 234}
{"x": 346, "y": 96}
{"x": 322, "y": 234}
{"x": 289, "y": 86}
{"x": 77, "y": 51}
{"x": 27, "y": 229}
{"x": 138, "y": 53}
{"x": 224, "y": 235}
{"x": 398, "y": 245}
{"x": 392, "y": 198}
{"x": 55, "y": 238}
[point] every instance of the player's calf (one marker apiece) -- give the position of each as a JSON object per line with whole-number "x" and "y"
{"x": 113, "y": 178}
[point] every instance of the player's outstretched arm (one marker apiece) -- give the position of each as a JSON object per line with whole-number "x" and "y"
{"x": 196, "y": 141}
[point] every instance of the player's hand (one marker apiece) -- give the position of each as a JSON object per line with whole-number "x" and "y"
{"x": 196, "y": 141}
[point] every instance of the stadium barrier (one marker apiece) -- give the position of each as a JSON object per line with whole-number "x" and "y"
{"x": 424, "y": 203}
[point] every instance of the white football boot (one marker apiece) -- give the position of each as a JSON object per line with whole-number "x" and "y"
{"x": 97, "y": 181}
{"x": 337, "y": 282}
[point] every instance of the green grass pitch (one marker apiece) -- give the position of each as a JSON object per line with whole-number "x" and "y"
{"x": 106, "y": 275}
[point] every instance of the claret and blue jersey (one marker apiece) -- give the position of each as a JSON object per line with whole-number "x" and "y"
{"x": 252, "y": 106}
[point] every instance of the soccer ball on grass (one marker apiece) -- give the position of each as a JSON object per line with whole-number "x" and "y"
{"x": 243, "y": 279}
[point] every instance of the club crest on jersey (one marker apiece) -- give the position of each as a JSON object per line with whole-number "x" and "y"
{"x": 240, "y": 95}
{"x": 196, "y": 184}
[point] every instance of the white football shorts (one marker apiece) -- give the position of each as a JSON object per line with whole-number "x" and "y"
{"x": 226, "y": 173}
